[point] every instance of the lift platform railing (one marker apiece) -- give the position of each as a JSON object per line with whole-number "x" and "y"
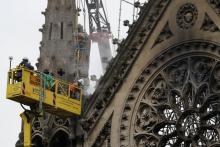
{"x": 60, "y": 97}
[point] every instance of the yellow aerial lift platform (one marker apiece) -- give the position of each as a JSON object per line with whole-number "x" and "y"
{"x": 31, "y": 88}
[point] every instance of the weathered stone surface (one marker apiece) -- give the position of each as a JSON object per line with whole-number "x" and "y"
{"x": 64, "y": 46}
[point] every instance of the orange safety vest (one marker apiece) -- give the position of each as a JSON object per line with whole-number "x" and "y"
{"x": 73, "y": 87}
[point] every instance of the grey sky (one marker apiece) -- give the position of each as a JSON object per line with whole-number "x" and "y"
{"x": 19, "y": 24}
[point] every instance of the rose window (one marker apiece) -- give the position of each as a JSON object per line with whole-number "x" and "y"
{"x": 181, "y": 106}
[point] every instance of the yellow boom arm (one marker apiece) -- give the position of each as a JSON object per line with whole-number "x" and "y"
{"x": 27, "y": 119}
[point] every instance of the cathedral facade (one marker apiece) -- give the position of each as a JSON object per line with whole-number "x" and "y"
{"x": 161, "y": 90}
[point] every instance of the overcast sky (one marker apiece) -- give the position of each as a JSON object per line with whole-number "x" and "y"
{"x": 20, "y": 21}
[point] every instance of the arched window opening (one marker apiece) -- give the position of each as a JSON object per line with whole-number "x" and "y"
{"x": 61, "y": 138}
{"x": 37, "y": 141}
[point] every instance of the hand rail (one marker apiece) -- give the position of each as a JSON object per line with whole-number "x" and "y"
{"x": 65, "y": 92}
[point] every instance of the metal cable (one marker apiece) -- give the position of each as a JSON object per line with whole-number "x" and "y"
{"x": 119, "y": 21}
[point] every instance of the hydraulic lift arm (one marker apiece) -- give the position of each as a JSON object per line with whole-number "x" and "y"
{"x": 27, "y": 118}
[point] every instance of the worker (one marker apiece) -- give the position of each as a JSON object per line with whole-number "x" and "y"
{"x": 18, "y": 75}
{"x": 74, "y": 91}
{"x": 48, "y": 79}
{"x": 25, "y": 63}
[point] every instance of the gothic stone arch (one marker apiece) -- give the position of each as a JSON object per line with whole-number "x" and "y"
{"x": 170, "y": 92}
{"x": 60, "y": 138}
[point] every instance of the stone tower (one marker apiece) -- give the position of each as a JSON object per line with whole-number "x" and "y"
{"x": 65, "y": 47}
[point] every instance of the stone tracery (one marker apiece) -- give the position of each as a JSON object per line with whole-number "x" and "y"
{"x": 181, "y": 106}
{"x": 183, "y": 117}
{"x": 188, "y": 111}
